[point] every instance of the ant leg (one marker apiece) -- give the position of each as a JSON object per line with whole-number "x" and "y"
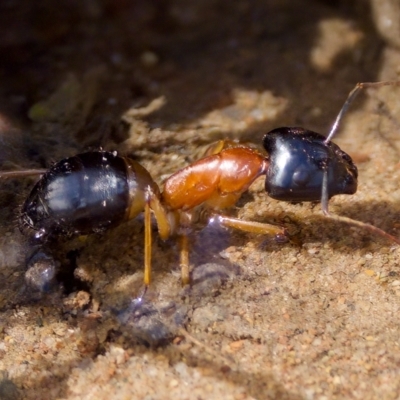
{"x": 21, "y": 173}
{"x": 166, "y": 221}
{"x": 138, "y": 300}
{"x": 147, "y": 245}
{"x": 352, "y": 95}
{"x": 184, "y": 259}
{"x": 215, "y": 148}
{"x": 250, "y": 226}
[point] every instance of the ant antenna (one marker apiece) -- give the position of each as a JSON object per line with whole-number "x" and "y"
{"x": 364, "y": 225}
{"x": 324, "y": 195}
{"x": 350, "y": 98}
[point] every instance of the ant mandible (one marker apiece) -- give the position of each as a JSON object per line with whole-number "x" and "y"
{"x": 97, "y": 190}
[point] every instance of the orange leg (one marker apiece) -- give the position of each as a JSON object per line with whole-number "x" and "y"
{"x": 246, "y": 226}
{"x": 165, "y": 222}
{"x": 147, "y": 245}
{"x": 184, "y": 259}
{"x": 250, "y": 226}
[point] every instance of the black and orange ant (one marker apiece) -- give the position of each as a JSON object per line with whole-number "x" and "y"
{"x": 97, "y": 190}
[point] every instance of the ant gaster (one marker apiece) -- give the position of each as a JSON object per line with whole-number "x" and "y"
{"x": 97, "y": 190}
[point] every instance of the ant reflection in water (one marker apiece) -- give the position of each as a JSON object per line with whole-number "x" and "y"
{"x": 95, "y": 191}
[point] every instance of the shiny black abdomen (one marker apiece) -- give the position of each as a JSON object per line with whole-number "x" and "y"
{"x": 83, "y": 194}
{"x": 298, "y": 159}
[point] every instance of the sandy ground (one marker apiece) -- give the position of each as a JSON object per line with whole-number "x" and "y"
{"x": 314, "y": 318}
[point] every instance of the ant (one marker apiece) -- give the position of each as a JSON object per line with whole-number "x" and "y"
{"x": 95, "y": 191}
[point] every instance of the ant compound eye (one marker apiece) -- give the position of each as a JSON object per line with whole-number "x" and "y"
{"x": 349, "y": 181}
{"x": 301, "y": 177}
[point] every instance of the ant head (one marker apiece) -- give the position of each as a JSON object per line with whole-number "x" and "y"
{"x": 299, "y": 159}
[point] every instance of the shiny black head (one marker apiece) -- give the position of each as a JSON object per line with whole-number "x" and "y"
{"x": 298, "y": 159}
